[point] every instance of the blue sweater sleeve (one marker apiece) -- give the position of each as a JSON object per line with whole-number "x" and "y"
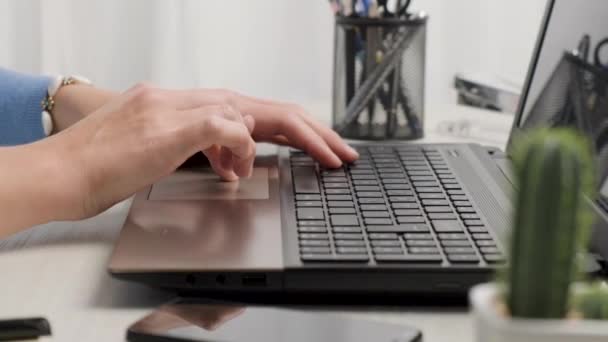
{"x": 20, "y": 109}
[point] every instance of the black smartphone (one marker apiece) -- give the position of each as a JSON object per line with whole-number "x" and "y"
{"x": 24, "y": 329}
{"x": 188, "y": 321}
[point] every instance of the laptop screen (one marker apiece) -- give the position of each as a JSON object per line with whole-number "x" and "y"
{"x": 559, "y": 89}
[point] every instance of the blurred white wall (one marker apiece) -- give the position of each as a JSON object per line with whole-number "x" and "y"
{"x": 273, "y": 48}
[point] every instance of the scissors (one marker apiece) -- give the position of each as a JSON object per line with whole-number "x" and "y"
{"x": 598, "y": 54}
{"x": 400, "y": 11}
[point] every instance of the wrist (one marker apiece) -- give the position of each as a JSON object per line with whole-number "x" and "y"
{"x": 74, "y": 102}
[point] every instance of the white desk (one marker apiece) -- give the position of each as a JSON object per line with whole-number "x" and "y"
{"x": 59, "y": 271}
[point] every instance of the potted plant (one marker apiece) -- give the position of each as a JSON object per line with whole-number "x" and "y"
{"x": 540, "y": 295}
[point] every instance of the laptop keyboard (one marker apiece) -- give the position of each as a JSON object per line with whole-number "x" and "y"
{"x": 394, "y": 205}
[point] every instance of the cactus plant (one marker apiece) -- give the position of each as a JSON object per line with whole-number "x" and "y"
{"x": 592, "y": 302}
{"x": 551, "y": 222}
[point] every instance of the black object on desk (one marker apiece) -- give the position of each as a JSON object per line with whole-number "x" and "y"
{"x": 379, "y": 70}
{"x": 197, "y": 320}
{"x": 24, "y": 329}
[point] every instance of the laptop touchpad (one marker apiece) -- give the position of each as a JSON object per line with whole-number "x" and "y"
{"x": 204, "y": 184}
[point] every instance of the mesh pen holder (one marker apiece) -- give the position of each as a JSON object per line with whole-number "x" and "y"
{"x": 379, "y": 79}
{"x": 576, "y": 95}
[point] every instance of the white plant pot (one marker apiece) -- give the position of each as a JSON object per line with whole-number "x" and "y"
{"x": 491, "y": 326}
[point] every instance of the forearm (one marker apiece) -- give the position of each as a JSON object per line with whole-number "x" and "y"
{"x": 74, "y": 102}
{"x": 34, "y": 187}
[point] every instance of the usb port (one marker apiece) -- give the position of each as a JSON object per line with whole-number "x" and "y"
{"x": 254, "y": 280}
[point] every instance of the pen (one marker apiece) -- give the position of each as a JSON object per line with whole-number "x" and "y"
{"x": 374, "y": 39}
{"x": 375, "y": 81}
{"x": 348, "y": 7}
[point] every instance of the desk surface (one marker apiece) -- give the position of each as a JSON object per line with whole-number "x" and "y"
{"x": 59, "y": 271}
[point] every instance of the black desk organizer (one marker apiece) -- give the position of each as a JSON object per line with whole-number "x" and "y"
{"x": 379, "y": 82}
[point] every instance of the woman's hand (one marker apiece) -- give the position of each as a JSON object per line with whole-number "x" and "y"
{"x": 140, "y": 136}
{"x": 275, "y": 122}
{"x": 146, "y": 133}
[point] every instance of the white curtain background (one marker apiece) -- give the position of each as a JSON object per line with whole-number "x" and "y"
{"x": 271, "y": 48}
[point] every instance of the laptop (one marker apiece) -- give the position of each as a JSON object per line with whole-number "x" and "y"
{"x": 418, "y": 219}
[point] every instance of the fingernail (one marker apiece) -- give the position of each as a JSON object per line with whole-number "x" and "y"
{"x": 353, "y": 151}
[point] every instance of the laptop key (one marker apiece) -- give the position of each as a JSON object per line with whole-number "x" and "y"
{"x": 362, "y": 172}
{"x": 466, "y": 210}
{"x": 459, "y": 198}
{"x": 311, "y": 223}
{"x": 456, "y": 243}
{"x": 340, "y": 204}
{"x": 403, "y": 228}
{"x": 405, "y": 206}
{"x": 371, "y": 200}
{"x": 423, "y": 179}
{"x": 367, "y": 188}
{"x": 315, "y": 250}
{"x": 376, "y": 214}
{"x": 400, "y": 193}
{"x": 363, "y": 177}
{"x": 402, "y": 199}
{"x": 345, "y": 236}
{"x": 336, "y": 186}
{"x": 344, "y": 220}
{"x": 455, "y": 192}
{"x": 312, "y": 230}
{"x": 314, "y": 236}
{"x": 334, "y": 258}
{"x": 462, "y": 204}
{"x": 374, "y": 207}
{"x": 334, "y": 180}
{"x": 369, "y": 194}
{"x": 494, "y": 258}
{"x": 482, "y": 236}
{"x": 463, "y": 258}
{"x": 469, "y": 216}
{"x": 306, "y": 197}
{"x": 310, "y": 214}
{"x": 409, "y": 258}
{"x": 395, "y": 181}
{"x": 339, "y": 197}
{"x": 429, "y": 190}
{"x": 351, "y": 250}
{"x": 459, "y": 250}
{"x": 432, "y": 202}
{"x": 410, "y": 219}
{"x": 310, "y": 204}
{"x": 442, "y": 216}
{"x": 452, "y": 186}
{"x": 485, "y": 243}
{"x": 490, "y": 250}
{"x": 337, "y": 191}
{"x": 350, "y": 243}
{"x": 422, "y": 250}
{"x": 431, "y": 196}
{"x": 414, "y": 236}
{"x": 421, "y": 243}
{"x": 388, "y": 250}
{"x": 342, "y": 211}
{"x": 363, "y": 182}
{"x": 305, "y": 180}
{"x": 397, "y": 186}
{"x": 447, "y": 226}
{"x": 475, "y": 223}
{"x": 386, "y": 243}
{"x": 314, "y": 243}
{"x": 346, "y": 230}
{"x": 408, "y": 212}
{"x": 445, "y": 209}
{"x": 378, "y": 221}
{"x": 452, "y": 236}
{"x": 477, "y": 229}
{"x": 382, "y": 236}
{"x": 425, "y": 184}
